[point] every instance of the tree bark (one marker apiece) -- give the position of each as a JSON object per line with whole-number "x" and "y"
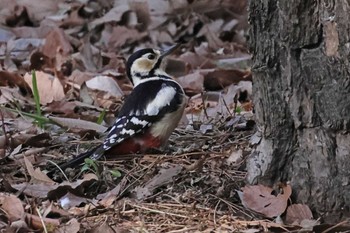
{"x": 301, "y": 81}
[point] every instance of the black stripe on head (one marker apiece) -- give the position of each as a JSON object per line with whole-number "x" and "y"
{"x": 156, "y": 66}
{"x": 134, "y": 57}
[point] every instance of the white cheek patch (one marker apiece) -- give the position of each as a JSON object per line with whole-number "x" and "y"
{"x": 163, "y": 98}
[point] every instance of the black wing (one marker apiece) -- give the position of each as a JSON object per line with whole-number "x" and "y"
{"x": 146, "y": 104}
{"x": 136, "y": 115}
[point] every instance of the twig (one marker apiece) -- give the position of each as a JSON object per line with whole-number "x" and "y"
{"x": 42, "y": 220}
{"x": 214, "y": 215}
{"x": 158, "y": 211}
{"x": 335, "y": 226}
{"x": 4, "y": 129}
{"x": 204, "y": 107}
{"x": 185, "y": 229}
{"x": 149, "y": 167}
{"x": 59, "y": 168}
{"x": 227, "y": 108}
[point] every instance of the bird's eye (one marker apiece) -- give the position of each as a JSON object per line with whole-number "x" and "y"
{"x": 151, "y": 56}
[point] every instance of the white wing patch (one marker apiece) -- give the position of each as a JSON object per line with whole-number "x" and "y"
{"x": 137, "y": 121}
{"x": 162, "y": 99}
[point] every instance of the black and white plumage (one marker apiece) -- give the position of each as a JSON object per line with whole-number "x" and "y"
{"x": 150, "y": 113}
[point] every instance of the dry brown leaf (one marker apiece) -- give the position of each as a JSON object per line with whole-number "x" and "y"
{"x": 56, "y": 42}
{"x": 37, "y": 9}
{"x": 106, "y": 199}
{"x": 12, "y": 205}
{"x": 72, "y": 226}
{"x": 14, "y": 80}
{"x": 77, "y": 123}
{"x": 192, "y": 83}
{"x": 120, "y": 36}
{"x": 195, "y": 61}
{"x": 36, "y": 222}
{"x": 142, "y": 12}
{"x": 78, "y": 77}
{"x": 235, "y": 157}
{"x": 105, "y": 83}
{"x": 219, "y": 79}
{"x": 113, "y": 15}
{"x": 37, "y": 175}
{"x": 50, "y": 88}
{"x": 105, "y": 228}
{"x": 176, "y": 68}
{"x": 164, "y": 176}
{"x": 55, "y": 191}
{"x": 22, "y": 48}
{"x": 260, "y": 199}
{"x": 35, "y": 190}
{"x": 63, "y": 106}
{"x": 296, "y": 213}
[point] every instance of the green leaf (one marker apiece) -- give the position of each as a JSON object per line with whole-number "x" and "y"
{"x": 238, "y": 110}
{"x": 36, "y": 98}
{"x": 115, "y": 173}
{"x": 36, "y": 93}
{"x": 35, "y": 117}
{"x": 91, "y": 163}
{"x": 101, "y": 117}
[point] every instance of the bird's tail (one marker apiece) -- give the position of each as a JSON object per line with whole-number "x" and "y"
{"x": 78, "y": 160}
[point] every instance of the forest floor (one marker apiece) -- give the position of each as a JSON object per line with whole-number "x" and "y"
{"x": 78, "y": 50}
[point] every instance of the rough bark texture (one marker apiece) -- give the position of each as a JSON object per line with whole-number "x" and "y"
{"x": 301, "y": 82}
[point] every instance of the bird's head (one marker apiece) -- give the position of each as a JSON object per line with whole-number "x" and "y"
{"x": 146, "y": 63}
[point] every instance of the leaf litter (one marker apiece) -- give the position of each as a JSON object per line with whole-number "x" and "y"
{"x": 78, "y": 50}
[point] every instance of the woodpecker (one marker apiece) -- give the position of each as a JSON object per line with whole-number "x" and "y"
{"x": 149, "y": 114}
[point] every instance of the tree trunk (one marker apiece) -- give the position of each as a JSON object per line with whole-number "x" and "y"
{"x": 301, "y": 77}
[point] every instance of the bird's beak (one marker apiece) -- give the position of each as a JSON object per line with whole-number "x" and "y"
{"x": 169, "y": 50}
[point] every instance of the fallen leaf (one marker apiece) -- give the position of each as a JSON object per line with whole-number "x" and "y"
{"x": 37, "y": 223}
{"x": 105, "y": 228}
{"x": 192, "y": 83}
{"x": 219, "y": 79}
{"x": 296, "y": 213}
{"x": 64, "y": 107}
{"x": 142, "y": 13}
{"x": 70, "y": 200}
{"x": 38, "y": 10}
{"x": 39, "y": 61}
{"x": 12, "y": 206}
{"x": 196, "y": 61}
{"x": 38, "y": 140}
{"x": 120, "y": 36}
{"x": 72, "y": 226}
{"x": 37, "y": 174}
{"x": 20, "y": 49}
{"x": 164, "y": 176}
{"x": 106, "y": 199}
{"x": 77, "y": 123}
{"x": 105, "y": 83}
{"x": 260, "y": 199}
{"x": 14, "y": 80}
{"x": 235, "y": 157}
{"x": 5, "y": 35}
{"x": 50, "y": 88}
{"x": 205, "y": 128}
{"x": 176, "y": 67}
{"x": 113, "y": 15}
{"x": 56, "y": 41}
{"x": 55, "y": 191}
{"x": 78, "y": 77}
